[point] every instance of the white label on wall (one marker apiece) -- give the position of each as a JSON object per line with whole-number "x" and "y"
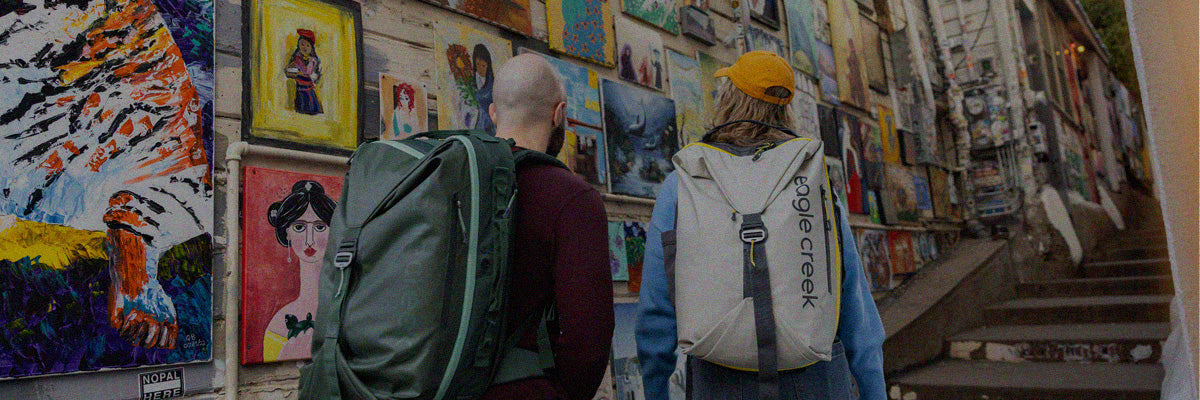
{"x": 163, "y": 384}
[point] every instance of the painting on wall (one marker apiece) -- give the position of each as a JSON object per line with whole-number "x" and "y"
{"x": 635, "y": 252}
{"x": 582, "y": 29}
{"x": 901, "y": 252}
{"x": 766, "y": 12}
{"x": 827, "y": 72}
{"x": 402, "y": 109}
{"x": 921, "y": 190}
{"x": 800, "y": 35}
{"x": 584, "y": 154}
{"x": 889, "y": 138}
{"x": 848, "y": 54}
{"x": 900, "y": 199}
{"x": 513, "y": 15}
{"x": 303, "y": 76}
{"x": 828, "y": 119}
{"x": 466, "y": 62}
{"x": 639, "y": 127}
{"x": 939, "y": 192}
{"x": 758, "y": 39}
{"x": 872, "y": 53}
{"x": 837, "y": 176}
{"x": 617, "y": 258}
{"x": 640, "y": 59}
{"x": 697, "y": 24}
{"x": 581, "y": 85}
{"x": 627, "y": 375}
{"x": 685, "y": 90}
{"x": 872, "y": 156}
{"x": 661, "y": 13}
{"x": 852, "y": 144}
{"x": 876, "y": 261}
{"x": 820, "y": 24}
{"x": 708, "y": 83}
{"x": 285, "y": 223}
{"x": 106, "y": 219}
{"x": 804, "y": 108}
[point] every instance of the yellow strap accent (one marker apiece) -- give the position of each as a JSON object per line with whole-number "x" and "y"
{"x": 727, "y": 152}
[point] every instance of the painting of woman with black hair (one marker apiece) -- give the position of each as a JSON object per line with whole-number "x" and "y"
{"x": 305, "y": 68}
{"x": 481, "y": 59}
{"x": 286, "y": 231}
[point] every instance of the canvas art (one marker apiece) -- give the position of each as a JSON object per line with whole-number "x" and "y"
{"x": 697, "y": 24}
{"x": 402, "y": 109}
{"x": 107, "y": 211}
{"x": 700, "y": 4}
{"x": 888, "y": 135}
{"x": 627, "y": 375}
{"x": 883, "y": 15}
{"x": 877, "y": 264}
{"x": 872, "y": 53}
{"x": 285, "y": 223}
{"x": 856, "y": 194}
{"x": 921, "y": 190}
{"x": 641, "y": 135}
{"x": 830, "y": 135}
{"x": 661, "y": 13}
{"x": 582, "y": 29}
{"x": 617, "y": 258}
{"x": 820, "y": 14}
{"x": 466, "y": 63}
{"x": 804, "y": 109}
{"x": 586, "y": 147}
{"x": 303, "y": 73}
{"x": 871, "y": 151}
{"x": 581, "y": 85}
{"x": 685, "y": 90}
{"x": 758, "y": 39}
{"x": 848, "y": 54}
{"x": 837, "y": 176}
{"x": 900, "y": 200}
{"x": 827, "y": 72}
{"x": 513, "y": 15}
{"x": 939, "y": 192}
{"x": 901, "y": 252}
{"x": 802, "y": 56}
{"x": 708, "y": 83}
{"x": 635, "y": 252}
{"x": 766, "y": 12}
{"x": 640, "y": 59}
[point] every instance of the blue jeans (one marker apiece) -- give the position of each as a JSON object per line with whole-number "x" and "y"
{"x": 823, "y": 380}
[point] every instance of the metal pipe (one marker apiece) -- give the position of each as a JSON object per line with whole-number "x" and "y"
{"x": 233, "y": 183}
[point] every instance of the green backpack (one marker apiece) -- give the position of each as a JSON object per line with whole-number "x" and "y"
{"x": 414, "y": 287}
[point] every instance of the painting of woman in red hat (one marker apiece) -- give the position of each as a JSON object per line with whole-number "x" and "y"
{"x": 305, "y": 67}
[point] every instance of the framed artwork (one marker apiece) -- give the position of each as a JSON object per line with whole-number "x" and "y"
{"x": 766, "y": 12}
{"x": 635, "y": 252}
{"x": 821, "y": 32}
{"x": 908, "y": 147}
{"x": 661, "y": 13}
{"x": 303, "y": 79}
{"x": 872, "y": 156}
{"x": 618, "y": 260}
{"x": 697, "y": 24}
{"x": 877, "y": 264}
{"x": 641, "y": 135}
{"x": 758, "y": 39}
{"x": 889, "y": 138}
{"x": 872, "y": 51}
{"x": 939, "y": 192}
{"x": 827, "y": 72}
{"x": 106, "y": 218}
{"x": 708, "y": 83}
{"x": 921, "y": 190}
{"x": 848, "y": 54}
{"x": 513, "y": 15}
{"x": 830, "y": 135}
{"x": 583, "y": 152}
{"x": 900, "y": 199}
{"x": 804, "y": 108}
{"x": 466, "y": 63}
{"x": 856, "y": 194}
{"x": 582, "y": 29}
{"x": 837, "y": 176}
{"x": 402, "y": 108}
{"x": 803, "y": 56}
{"x": 285, "y": 224}
{"x": 901, "y": 252}
{"x": 685, "y": 90}
{"x": 640, "y": 59}
{"x": 581, "y": 85}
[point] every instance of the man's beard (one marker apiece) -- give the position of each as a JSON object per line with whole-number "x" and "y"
{"x": 557, "y": 136}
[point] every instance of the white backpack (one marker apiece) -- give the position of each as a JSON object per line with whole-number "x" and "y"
{"x": 756, "y": 259}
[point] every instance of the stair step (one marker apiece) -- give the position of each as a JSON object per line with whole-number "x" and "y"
{"x": 1145, "y": 267}
{"x": 1115, "y": 342}
{"x": 1094, "y": 309}
{"x": 1097, "y": 287}
{"x": 956, "y": 379}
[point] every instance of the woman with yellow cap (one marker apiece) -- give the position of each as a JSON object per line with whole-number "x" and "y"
{"x": 751, "y": 134}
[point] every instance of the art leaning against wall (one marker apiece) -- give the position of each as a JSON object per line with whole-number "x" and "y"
{"x": 106, "y": 216}
{"x": 285, "y": 223}
{"x": 303, "y": 73}
{"x": 466, "y": 63}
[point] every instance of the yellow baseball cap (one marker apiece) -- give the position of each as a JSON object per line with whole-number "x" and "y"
{"x": 758, "y": 70}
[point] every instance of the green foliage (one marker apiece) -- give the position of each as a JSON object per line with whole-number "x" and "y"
{"x": 1108, "y": 16}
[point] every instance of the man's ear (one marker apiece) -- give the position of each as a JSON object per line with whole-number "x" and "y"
{"x": 560, "y": 112}
{"x": 492, "y": 111}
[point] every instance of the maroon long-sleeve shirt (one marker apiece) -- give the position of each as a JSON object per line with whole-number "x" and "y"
{"x": 561, "y": 251}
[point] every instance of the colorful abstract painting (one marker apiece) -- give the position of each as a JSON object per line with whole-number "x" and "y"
{"x": 107, "y": 212}
{"x": 827, "y": 72}
{"x": 758, "y": 39}
{"x": 901, "y": 252}
{"x": 466, "y": 61}
{"x": 581, "y": 85}
{"x": 635, "y": 252}
{"x": 402, "y": 109}
{"x": 640, "y": 58}
{"x": 582, "y": 29}
{"x": 661, "y": 13}
{"x": 639, "y": 126}
{"x": 285, "y": 224}
{"x": 803, "y": 57}
{"x": 804, "y": 109}
{"x": 848, "y": 54}
{"x": 889, "y": 136}
{"x": 685, "y": 90}
{"x": 302, "y": 75}
{"x": 618, "y": 260}
{"x": 697, "y": 24}
{"x": 586, "y": 153}
{"x": 877, "y": 263}
{"x": 708, "y": 83}
{"x": 513, "y": 15}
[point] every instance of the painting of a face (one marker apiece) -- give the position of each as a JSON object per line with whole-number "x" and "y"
{"x": 306, "y": 48}
{"x": 481, "y": 66}
{"x": 405, "y": 101}
{"x": 306, "y": 236}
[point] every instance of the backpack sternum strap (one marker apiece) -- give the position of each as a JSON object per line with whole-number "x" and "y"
{"x": 758, "y": 286}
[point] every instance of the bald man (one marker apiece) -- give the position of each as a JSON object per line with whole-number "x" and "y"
{"x": 560, "y": 252}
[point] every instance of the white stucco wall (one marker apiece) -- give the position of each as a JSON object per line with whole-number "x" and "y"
{"x": 1164, "y": 35}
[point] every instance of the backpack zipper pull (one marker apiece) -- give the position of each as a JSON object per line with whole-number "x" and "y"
{"x": 763, "y": 148}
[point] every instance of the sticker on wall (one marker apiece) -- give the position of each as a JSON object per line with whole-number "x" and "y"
{"x": 661, "y": 13}
{"x": 402, "y": 109}
{"x": 639, "y": 126}
{"x": 640, "y": 59}
{"x": 303, "y": 75}
{"x": 106, "y": 213}
{"x": 582, "y": 29}
{"x": 513, "y": 15}
{"x": 686, "y": 89}
{"x": 285, "y": 224}
{"x": 466, "y": 63}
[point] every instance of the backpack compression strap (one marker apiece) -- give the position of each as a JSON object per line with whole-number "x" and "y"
{"x": 758, "y": 286}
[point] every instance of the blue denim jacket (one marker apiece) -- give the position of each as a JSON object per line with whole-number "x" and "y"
{"x": 859, "y": 327}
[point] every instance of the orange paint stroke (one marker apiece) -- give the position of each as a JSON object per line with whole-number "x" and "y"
{"x": 129, "y": 260}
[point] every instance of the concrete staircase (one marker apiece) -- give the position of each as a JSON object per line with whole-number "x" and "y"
{"x": 1098, "y": 336}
